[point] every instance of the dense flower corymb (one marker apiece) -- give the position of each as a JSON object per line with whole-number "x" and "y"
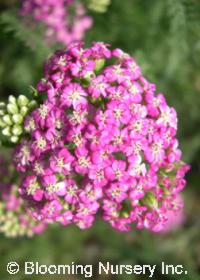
{"x": 102, "y": 141}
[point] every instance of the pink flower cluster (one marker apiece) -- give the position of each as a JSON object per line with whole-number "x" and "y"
{"x": 65, "y": 20}
{"x": 102, "y": 142}
{"x": 15, "y": 218}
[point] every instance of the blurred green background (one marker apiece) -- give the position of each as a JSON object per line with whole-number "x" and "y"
{"x": 164, "y": 37}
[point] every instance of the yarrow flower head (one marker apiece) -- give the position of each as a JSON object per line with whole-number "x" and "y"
{"x": 103, "y": 141}
{"x": 65, "y": 20}
{"x": 15, "y": 218}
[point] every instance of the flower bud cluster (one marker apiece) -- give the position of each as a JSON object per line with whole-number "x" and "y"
{"x": 103, "y": 141}
{"x": 65, "y": 20}
{"x": 12, "y": 116}
{"x": 15, "y": 218}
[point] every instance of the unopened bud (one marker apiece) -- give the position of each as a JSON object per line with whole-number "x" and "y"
{"x": 124, "y": 214}
{"x": 99, "y": 6}
{"x": 89, "y": 76}
{"x": 7, "y": 119}
{"x": 12, "y": 108}
{"x": 17, "y": 118}
{"x": 150, "y": 200}
{"x": 2, "y": 105}
{"x": 12, "y": 99}
{"x": 6, "y": 131}
{"x": 23, "y": 111}
{"x": 2, "y": 123}
{"x": 32, "y": 104}
{"x": 14, "y": 139}
{"x": 17, "y": 130}
{"x": 2, "y": 112}
{"x": 22, "y": 100}
{"x": 99, "y": 64}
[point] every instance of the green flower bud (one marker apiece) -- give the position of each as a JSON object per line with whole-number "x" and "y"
{"x": 12, "y": 109}
{"x": 23, "y": 111}
{"x": 22, "y": 100}
{"x": 150, "y": 200}
{"x": 2, "y": 123}
{"x": 2, "y": 112}
{"x": 99, "y": 65}
{"x": 32, "y": 104}
{"x": 14, "y": 139}
{"x": 12, "y": 99}
{"x": 7, "y": 119}
{"x": 88, "y": 77}
{"x": 6, "y": 131}
{"x": 2, "y": 105}
{"x": 124, "y": 214}
{"x": 98, "y": 6}
{"x": 17, "y": 130}
{"x": 17, "y": 118}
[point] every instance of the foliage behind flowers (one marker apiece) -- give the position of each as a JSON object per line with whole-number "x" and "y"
{"x": 101, "y": 141}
